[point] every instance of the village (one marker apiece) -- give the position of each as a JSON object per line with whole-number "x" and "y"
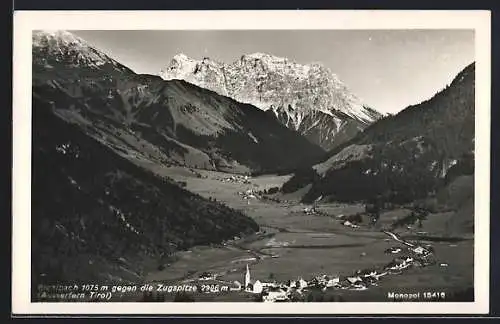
{"x": 297, "y": 289}
{"x": 413, "y": 255}
{"x": 244, "y": 278}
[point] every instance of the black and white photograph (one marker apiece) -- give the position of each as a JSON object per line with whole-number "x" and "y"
{"x": 231, "y": 164}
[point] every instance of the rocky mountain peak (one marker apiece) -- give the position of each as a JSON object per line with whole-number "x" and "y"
{"x": 60, "y": 47}
{"x": 61, "y": 44}
{"x": 302, "y": 96}
{"x": 57, "y": 37}
{"x": 180, "y": 66}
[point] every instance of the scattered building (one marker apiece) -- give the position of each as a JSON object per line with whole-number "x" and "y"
{"x": 354, "y": 280}
{"x": 249, "y": 194}
{"x": 207, "y": 276}
{"x": 409, "y": 259}
{"x": 310, "y": 210}
{"x": 275, "y": 295}
{"x": 349, "y": 224}
{"x": 393, "y": 250}
{"x": 237, "y": 179}
{"x": 359, "y": 286}
{"x": 257, "y": 287}
{"x": 334, "y": 282}
{"x": 302, "y": 283}
{"x": 421, "y": 251}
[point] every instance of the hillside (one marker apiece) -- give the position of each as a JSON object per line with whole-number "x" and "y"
{"x": 167, "y": 122}
{"x": 98, "y": 217}
{"x": 307, "y": 98}
{"x": 402, "y": 157}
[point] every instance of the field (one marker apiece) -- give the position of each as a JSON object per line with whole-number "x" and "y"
{"x": 292, "y": 244}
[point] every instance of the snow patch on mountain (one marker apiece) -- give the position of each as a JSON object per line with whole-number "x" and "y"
{"x": 271, "y": 82}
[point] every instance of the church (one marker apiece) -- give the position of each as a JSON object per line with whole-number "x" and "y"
{"x": 256, "y": 287}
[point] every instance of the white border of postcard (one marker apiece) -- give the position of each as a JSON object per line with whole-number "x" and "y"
{"x": 26, "y": 21}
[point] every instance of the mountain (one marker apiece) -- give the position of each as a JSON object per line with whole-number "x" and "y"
{"x": 60, "y": 51}
{"x": 98, "y": 215}
{"x": 153, "y": 121}
{"x": 402, "y": 157}
{"x": 307, "y": 98}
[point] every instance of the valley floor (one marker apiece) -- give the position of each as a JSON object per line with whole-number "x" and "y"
{"x": 292, "y": 244}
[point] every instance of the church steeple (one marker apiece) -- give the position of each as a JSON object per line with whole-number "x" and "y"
{"x": 247, "y": 277}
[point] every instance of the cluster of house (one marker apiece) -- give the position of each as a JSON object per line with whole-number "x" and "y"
{"x": 399, "y": 263}
{"x": 67, "y": 148}
{"x": 281, "y": 292}
{"x": 349, "y": 224}
{"x": 393, "y": 250}
{"x": 207, "y": 276}
{"x": 248, "y": 194}
{"x": 310, "y": 210}
{"x": 237, "y": 179}
{"x": 313, "y": 210}
{"x": 360, "y": 280}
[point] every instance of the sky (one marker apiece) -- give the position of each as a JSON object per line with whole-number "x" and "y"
{"x": 388, "y": 69}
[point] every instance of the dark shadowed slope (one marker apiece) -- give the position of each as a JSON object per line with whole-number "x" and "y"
{"x": 96, "y": 217}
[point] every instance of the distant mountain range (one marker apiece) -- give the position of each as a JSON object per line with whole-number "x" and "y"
{"x": 307, "y": 98}
{"x": 402, "y": 157}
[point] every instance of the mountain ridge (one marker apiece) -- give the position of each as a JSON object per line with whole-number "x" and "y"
{"x": 302, "y": 96}
{"x": 173, "y": 121}
{"x": 402, "y": 157}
